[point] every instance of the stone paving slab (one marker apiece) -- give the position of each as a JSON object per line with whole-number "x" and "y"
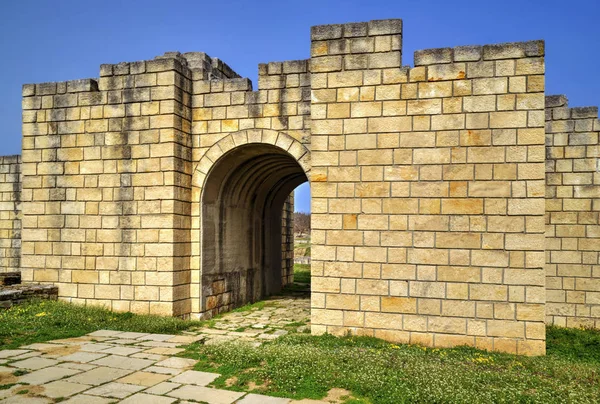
{"x": 145, "y": 379}
{"x": 25, "y": 400}
{"x": 77, "y": 366}
{"x": 34, "y": 363}
{"x": 164, "y": 371}
{"x": 60, "y": 388}
{"x": 195, "y": 377}
{"x": 177, "y": 363}
{"x": 41, "y": 346}
{"x": 95, "y": 347}
{"x": 123, "y": 362}
{"x": 81, "y": 357}
{"x": 122, "y": 350}
{"x": 85, "y": 399}
{"x": 104, "y": 333}
{"x": 98, "y": 376}
{"x": 12, "y": 352}
{"x": 158, "y": 337}
{"x": 46, "y": 375}
{"x": 143, "y": 398}
{"x": 211, "y": 396}
{"x": 133, "y": 335}
{"x": 114, "y": 390}
{"x": 162, "y": 388}
{"x": 164, "y": 351}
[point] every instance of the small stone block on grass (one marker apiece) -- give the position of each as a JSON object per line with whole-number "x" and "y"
{"x": 177, "y": 363}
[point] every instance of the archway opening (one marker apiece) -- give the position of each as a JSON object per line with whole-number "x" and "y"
{"x": 244, "y": 253}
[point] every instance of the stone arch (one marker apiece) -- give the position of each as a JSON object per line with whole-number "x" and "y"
{"x": 239, "y": 188}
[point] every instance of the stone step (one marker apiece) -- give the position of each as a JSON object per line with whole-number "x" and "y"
{"x": 10, "y": 278}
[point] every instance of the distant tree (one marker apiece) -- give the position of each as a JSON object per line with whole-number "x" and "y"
{"x": 301, "y": 223}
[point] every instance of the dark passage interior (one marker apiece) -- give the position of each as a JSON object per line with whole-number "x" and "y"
{"x": 242, "y": 207}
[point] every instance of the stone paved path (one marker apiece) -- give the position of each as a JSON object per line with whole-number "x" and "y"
{"x": 128, "y": 367}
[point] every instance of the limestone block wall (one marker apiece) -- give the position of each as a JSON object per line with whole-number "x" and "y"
{"x": 106, "y": 186}
{"x": 287, "y": 241}
{"x": 10, "y": 217}
{"x": 427, "y": 190}
{"x": 572, "y": 214}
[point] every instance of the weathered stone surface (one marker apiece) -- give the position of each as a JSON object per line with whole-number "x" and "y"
{"x": 47, "y": 375}
{"x": 114, "y": 390}
{"x": 144, "y": 379}
{"x": 210, "y": 396}
{"x": 194, "y": 377}
{"x": 123, "y": 362}
{"x": 98, "y": 376}
{"x": 143, "y": 398}
{"x": 62, "y": 389}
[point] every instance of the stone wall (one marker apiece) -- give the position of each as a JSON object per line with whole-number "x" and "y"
{"x": 572, "y": 214}
{"x": 428, "y": 190}
{"x": 287, "y": 241}
{"x": 164, "y": 187}
{"x": 18, "y": 294}
{"x": 10, "y": 217}
{"x": 106, "y": 187}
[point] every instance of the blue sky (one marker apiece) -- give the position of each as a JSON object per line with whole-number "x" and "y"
{"x": 63, "y": 40}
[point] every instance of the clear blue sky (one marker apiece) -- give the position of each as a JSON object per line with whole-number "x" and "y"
{"x": 63, "y": 39}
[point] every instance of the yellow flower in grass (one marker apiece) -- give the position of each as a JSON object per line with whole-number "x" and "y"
{"x": 42, "y": 314}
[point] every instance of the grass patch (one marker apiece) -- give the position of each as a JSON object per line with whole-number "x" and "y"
{"x": 302, "y": 273}
{"x": 250, "y": 307}
{"x": 304, "y": 366}
{"x": 46, "y": 320}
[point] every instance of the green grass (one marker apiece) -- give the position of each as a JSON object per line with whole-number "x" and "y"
{"x": 46, "y": 320}
{"x": 302, "y": 273}
{"x": 303, "y": 366}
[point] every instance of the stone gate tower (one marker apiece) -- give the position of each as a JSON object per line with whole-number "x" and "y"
{"x": 452, "y": 203}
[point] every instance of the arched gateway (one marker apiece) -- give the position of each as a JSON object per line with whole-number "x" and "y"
{"x": 159, "y": 188}
{"x": 243, "y": 182}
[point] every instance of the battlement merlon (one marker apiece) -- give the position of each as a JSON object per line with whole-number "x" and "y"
{"x": 476, "y": 53}
{"x": 197, "y": 62}
{"x": 559, "y": 106}
{"x": 356, "y": 46}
